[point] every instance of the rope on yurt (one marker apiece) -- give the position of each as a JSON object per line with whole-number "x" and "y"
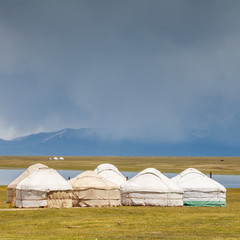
{"x": 14, "y": 195}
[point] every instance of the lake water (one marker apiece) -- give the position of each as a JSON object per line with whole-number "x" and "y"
{"x": 8, "y": 175}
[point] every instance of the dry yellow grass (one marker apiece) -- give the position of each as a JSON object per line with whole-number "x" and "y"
{"x": 217, "y": 165}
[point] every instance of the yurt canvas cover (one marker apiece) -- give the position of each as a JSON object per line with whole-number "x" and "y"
{"x": 151, "y": 188}
{"x": 92, "y": 190}
{"x": 110, "y": 173}
{"x": 200, "y": 190}
{"x": 44, "y": 188}
{"x": 12, "y": 186}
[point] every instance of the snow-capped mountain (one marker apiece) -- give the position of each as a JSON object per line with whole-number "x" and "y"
{"x": 90, "y": 142}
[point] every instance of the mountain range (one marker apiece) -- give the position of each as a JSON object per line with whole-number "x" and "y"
{"x": 91, "y": 142}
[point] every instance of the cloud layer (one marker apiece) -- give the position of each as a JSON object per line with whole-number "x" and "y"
{"x": 151, "y": 70}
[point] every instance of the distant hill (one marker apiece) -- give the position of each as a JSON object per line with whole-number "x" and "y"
{"x": 90, "y": 142}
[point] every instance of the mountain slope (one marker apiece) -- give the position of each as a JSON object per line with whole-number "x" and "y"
{"x": 89, "y": 142}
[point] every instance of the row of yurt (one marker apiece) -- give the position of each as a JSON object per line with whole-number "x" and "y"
{"x": 40, "y": 186}
{"x": 56, "y": 158}
{"x": 150, "y": 187}
{"x": 106, "y": 186}
{"x": 200, "y": 190}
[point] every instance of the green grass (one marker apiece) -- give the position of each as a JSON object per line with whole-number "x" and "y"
{"x": 123, "y": 222}
{"x": 229, "y": 165}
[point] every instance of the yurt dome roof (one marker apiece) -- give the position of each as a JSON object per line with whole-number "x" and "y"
{"x": 111, "y": 173}
{"x": 44, "y": 180}
{"x": 104, "y": 167}
{"x": 151, "y": 180}
{"x": 90, "y": 179}
{"x": 192, "y": 179}
{"x": 26, "y": 173}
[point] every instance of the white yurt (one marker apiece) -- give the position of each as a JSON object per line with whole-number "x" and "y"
{"x": 12, "y": 186}
{"x": 151, "y": 188}
{"x": 110, "y": 173}
{"x": 61, "y": 158}
{"x": 199, "y": 189}
{"x": 44, "y": 188}
{"x": 92, "y": 190}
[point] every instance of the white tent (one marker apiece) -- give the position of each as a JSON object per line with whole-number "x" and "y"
{"x": 110, "y": 173}
{"x": 199, "y": 189}
{"x": 44, "y": 188}
{"x": 91, "y": 190}
{"x": 151, "y": 188}
{"x": 12, "y": 186}
{"x": 61, "y": 158}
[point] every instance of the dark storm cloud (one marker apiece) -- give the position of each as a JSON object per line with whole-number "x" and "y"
{"x": 157, "y": 70}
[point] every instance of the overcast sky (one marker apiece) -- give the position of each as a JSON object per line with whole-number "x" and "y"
{"x": 147, "y": 69}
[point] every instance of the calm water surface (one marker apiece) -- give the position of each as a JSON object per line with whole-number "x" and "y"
{"x": 7, "y": 176}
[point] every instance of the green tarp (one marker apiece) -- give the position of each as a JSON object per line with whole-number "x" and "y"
{"x": 204, "y": 203}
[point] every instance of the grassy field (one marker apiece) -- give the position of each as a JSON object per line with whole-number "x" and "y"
{"x": 217, "y": 165}
{"x": 123, "y": 222}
